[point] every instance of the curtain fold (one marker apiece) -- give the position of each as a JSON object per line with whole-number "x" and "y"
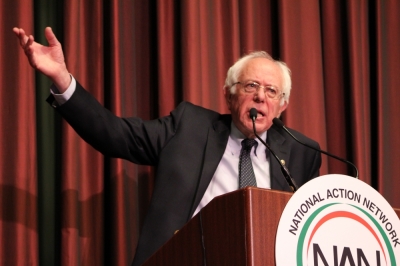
{"x": 82, "y": 172}
{"x": 358, "y": 89}
{"x": 18, "y": 169}
{"x": 168, "y": 48}
{"x": 387, "y": 124}
{"x": 335, "y": 78}
{"x": 63, "y": 203}
{"x": 47, "y": 13}
{"x": 301, "y": 48}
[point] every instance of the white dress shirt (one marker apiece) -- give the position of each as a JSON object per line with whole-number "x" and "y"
{"x": 226, "y": 177}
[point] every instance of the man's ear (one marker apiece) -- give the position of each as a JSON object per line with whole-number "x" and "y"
{"x": 282, "y": 108}
{"x": 227, "y": 94}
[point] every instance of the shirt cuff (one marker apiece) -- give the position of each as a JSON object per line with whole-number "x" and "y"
{"x": 64, "y": 97}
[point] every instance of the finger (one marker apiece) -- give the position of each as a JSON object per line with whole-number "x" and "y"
{"x": 21, "y": 36}
{"x": 50, "y": 36}
{"x": 16, "y": 31}
{"x": 29, "y": 43}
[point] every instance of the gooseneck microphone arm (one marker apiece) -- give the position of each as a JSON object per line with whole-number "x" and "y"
{"x": 277, "y": 122}
{"x": 285, "y": 171}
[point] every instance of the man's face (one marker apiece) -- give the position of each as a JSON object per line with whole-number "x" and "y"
{"x": 264, "y": 72}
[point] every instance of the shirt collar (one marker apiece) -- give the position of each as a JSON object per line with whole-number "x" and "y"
{"x": 236, "y": 139}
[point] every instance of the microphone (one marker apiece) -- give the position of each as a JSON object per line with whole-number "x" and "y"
{"x": 277, "y": 122}
{"x": 285, "y": 171}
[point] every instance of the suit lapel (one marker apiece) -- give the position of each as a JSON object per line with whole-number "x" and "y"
{"x": 280, "y": 146}
{"x": 217, "y": 140}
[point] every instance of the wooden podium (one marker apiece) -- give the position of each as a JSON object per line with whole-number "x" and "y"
{"x": 238, "y": 228}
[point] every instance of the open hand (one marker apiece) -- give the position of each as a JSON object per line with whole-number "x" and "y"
{"x": 49, "y": 60}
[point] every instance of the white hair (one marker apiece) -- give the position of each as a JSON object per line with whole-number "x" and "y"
{"x": 234, "y": 72}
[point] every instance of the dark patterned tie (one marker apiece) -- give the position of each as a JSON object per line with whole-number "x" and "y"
{"x": 246, "y": 172}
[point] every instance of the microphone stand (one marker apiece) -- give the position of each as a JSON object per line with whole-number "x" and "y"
{"x": 280, "y": 124}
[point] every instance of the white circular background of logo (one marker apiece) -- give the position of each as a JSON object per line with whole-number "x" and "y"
{"x": 337, "y": 210}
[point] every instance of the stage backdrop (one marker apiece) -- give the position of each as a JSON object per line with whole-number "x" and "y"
{"x": 63, "y": 203}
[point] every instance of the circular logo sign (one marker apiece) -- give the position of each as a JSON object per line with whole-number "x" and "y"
{"x": 338, "y": 220}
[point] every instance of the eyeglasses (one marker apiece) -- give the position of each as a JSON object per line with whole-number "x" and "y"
{"x": 270, "y": 91}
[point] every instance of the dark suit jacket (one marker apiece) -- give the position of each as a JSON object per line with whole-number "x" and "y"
{"x": 186, "y": 147}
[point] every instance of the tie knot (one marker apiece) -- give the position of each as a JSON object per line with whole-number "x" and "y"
{"x": 247, "y": 144}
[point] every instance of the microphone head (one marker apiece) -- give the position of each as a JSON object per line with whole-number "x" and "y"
{"x": 277, "y": 122}
{"x": 253, "y": 114}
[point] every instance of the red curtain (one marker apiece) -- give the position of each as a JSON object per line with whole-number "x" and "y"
{"x": 18, "y": 171}
{"x": 141, "y": 58}
{"x": 387, "y": 124}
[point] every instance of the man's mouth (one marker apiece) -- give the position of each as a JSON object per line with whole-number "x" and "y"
{"x": 260, "y": 114}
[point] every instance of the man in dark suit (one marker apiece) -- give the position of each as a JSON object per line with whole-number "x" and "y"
{"x": 196, "y": 150}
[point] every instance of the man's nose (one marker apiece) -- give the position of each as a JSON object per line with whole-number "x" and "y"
{"x": 259, "y": 95}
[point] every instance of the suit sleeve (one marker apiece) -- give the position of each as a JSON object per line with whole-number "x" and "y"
{"x": 128, "y": 138}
